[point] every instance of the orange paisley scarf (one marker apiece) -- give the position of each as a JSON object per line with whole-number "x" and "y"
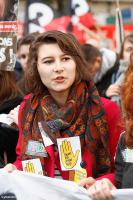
{"x": 82, "y": 115}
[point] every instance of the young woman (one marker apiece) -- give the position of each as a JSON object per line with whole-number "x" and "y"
{"x": 65, "y": 103}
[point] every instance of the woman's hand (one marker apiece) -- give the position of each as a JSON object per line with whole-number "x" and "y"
{"x": 101, "y": 190}
{"x": 87, "y": 182}
{"x": 113, "y": 90}
{"x": 13, "y": 114}
{"x": 10, "y": 167}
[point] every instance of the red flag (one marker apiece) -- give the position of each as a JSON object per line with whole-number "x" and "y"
{"x": 60, "y": 24}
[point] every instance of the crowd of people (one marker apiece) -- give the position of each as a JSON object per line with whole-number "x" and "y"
{"x": 69, "y": 91}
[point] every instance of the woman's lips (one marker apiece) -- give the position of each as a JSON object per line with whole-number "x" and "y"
{"x": 59, "y": 79}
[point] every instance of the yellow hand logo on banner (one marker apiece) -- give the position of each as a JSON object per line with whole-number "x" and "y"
{"x": 69, "y": 160}
{"x": 29, "y": 168}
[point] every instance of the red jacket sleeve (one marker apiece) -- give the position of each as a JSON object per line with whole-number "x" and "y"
{"x": 18, "y": 162}
{"x": 114, "y": 120}
{"x": 110, "y": 176}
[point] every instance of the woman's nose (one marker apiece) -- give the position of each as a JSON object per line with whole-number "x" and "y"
{"x": 58, "y": 67}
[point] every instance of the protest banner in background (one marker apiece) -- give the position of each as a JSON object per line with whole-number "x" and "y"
{"x": 38, "y": 15}
{"x": 41, "y": 16}
{"x": 8, "y": 34}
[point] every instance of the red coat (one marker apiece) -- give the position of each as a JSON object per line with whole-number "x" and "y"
{"x": 114, "y": 121}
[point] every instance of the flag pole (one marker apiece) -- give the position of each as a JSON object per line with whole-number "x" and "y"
{"x": 119, "y": 29}
{"x": 117, "y": 3}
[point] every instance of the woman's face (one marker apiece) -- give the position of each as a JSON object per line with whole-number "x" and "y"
{"x": 128, "y": 48}
{"x": 96, "y": 66}
{"x": 57, "y": 70}
{"x": 23, "y": 54}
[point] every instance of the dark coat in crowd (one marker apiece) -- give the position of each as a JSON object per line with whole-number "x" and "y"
{"x": 123, "y": 165}
{"x": 8, "y": 134}
{"x": 108, "y": 79}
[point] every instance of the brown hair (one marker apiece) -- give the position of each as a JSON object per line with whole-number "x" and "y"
{"x": 68, "y": 44}
{"x": 27, "y": 40}
{"x": 90, "y": 52}
{"x": 127, "y": 103}
{"x": 9, "y": 89}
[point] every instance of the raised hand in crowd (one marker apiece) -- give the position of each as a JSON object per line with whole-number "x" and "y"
{"x": 113, "y": 90}
{"x": 13, "y": 114}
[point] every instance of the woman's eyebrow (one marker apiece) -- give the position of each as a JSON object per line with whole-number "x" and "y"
{"x": 48, "y": 57}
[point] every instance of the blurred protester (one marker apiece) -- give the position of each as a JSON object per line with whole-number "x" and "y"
{"x": 23, "y": 53}
{"x": 102, "y": 64}
{"x": 113, "y": 91}
{"x": 127, "y": 47}
{"x": 124, "y": 155}
{"x": 93, "y": 57}
{"x": 18, "y": 70}
{"x": 10, "y": 97}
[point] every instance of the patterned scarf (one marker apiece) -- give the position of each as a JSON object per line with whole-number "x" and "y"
{"x": 82, "y": 115}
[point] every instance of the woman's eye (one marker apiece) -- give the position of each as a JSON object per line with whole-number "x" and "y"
{"x": 66, "y": 58}
{"x": 48, "y": 62}
{"x": 129, "y": 49}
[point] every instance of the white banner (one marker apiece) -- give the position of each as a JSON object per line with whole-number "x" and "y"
{"x": 35, "y": 187}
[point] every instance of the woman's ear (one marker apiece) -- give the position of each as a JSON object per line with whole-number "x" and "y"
{"x": 99, "y": 60}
